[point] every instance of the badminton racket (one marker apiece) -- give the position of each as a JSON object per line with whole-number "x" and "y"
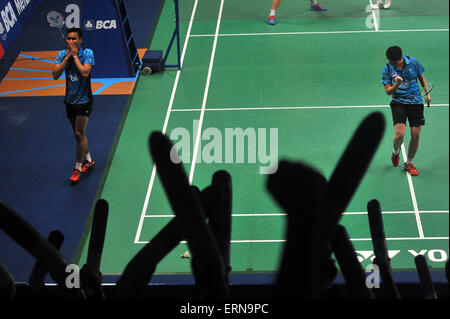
{"x": 56, "y": 20}
{"x": 424, "y": 92}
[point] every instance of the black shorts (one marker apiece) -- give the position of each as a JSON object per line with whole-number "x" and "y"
{"x": 412, "y": 112}
{"x": 74, "y": 110}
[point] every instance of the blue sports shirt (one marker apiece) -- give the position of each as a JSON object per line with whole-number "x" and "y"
{"x": 78, "y": 88}
{"x": 408, "y": 92}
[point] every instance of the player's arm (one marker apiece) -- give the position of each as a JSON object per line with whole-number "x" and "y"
{"x": 424, "y": 83}
{"x": 84, "y": 69}
{"x": 58, "y": 69}
{"x": 391, "y": 89}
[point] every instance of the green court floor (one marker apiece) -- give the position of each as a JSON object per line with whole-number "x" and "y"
{"x": 313, "y": 77}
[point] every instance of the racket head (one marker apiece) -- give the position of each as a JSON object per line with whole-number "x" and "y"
{"x": 430, "y": 87}
{"x": 55, "y": 19}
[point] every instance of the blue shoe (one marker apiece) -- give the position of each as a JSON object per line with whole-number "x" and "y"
{"x": 318, "y": 7}
{"x": 272, "y": 20}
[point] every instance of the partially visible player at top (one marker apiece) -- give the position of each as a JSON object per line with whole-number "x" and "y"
{"x": 386, "y": 4}
{"x": 77, "y": 62}
{"x": 399, "y": 78}
{"x": 315, "y": 6}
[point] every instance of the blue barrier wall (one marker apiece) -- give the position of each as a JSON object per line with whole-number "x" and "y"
{"x": 104, "y": 32}
{"x": 13, "y": 16}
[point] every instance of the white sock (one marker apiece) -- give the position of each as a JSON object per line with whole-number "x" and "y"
{"x": 78, "y": 166}
{"x": 88, "y": 157}
{"x": 396, "y": 152}
{"x": 313, "y": 2}
{"x": 409, "y": 160}
{"x": 272, "y": 12}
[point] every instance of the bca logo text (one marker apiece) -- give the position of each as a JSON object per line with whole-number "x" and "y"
{"x": 100, "y": 24}
{"x": 9, "y": 20}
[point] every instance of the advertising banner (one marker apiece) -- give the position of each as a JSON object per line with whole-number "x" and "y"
{"x": 13, "y": 16}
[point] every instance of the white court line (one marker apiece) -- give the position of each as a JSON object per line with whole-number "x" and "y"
{"x": 317, "y": 32}
{"x": 434, "y": 211}
{"x": 413, "y": 196}
{"x": 373, "y": 8}
{"x": 347, "y": 213}
{"x": 284, "y": 214}
{"x": 289, "y": 108}
{"x": 205, "y": 97}
{"x": 402, "y": 238}
{"x": 166, "y": 121}
{"x": 238, "y": 241}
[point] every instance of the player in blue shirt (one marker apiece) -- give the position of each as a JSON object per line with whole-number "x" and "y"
{"x": 399, "y": 78}
{"x": 77, "y": 62}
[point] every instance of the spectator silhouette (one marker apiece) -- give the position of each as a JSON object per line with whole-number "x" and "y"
{"x": 307, "y": 268}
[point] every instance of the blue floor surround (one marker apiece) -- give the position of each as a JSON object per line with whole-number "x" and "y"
{"x": 37, "y": 146}
{"x": 36, "y": 163}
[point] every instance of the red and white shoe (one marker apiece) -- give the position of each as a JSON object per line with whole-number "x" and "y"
{"x": 411, "y": 169}
{"x": 75, "y": 178}
{"x": 395, "y": 159}
{"x": 272, "y": 20}
{"x": 87, "y": 166}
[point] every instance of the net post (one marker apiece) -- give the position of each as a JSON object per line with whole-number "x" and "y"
{"x": 176, "y": 34}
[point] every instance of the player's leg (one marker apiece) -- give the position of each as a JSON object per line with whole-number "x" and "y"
{"x": 412, "y": 150}
{"x": 87, "y": 161}
{"x": 71, "y": 115}
{"x": 399, "y": 115}
{"x": 399, "y": 134}
{"x": 82, "y": 146}
{"x": 414, "y": 143}
{"x": 77, "y": 138}
{"x": 416, "y": 121}
{"x": 80, "y": 134}
{"x": 275, "y": 5}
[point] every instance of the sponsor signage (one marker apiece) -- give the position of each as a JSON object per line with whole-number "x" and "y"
{"x": 13, "y": 16}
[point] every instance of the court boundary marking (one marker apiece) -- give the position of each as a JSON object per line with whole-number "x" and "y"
{"x": 374, "y": 18}
{"x": 421, "y": 236}
{"x": 290, "y": 108}
{"x": 266, "y": 241}
{"x": 316, "y": 32}
{"x": 205, "y": 96}
{"x": 413, "y": 195}
{"x": 166, "y": 121}
{"x": 284, "y": 214}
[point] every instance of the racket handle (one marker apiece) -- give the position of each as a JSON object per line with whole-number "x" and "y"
{"x": 428, "y": 104}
